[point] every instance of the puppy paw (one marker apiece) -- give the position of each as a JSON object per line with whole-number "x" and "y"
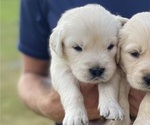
{"x": 75, "y": 117}
{"x": 111, "y": 110}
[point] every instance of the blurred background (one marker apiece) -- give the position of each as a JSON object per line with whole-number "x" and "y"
{"x": 13, "y": 112}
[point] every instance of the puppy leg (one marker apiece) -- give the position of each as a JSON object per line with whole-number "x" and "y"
{"x": 72, "y": 100}
{"x": 143, "y": 117}
{"x": 124, "y": 103}
{"x": 108, "y": 99}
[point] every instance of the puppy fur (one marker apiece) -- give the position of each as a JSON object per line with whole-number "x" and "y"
{"x": 135, "y": 60}
{"x": 83, "y": 47}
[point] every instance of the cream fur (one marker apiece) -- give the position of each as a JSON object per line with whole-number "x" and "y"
{"x": 93, "y": 29}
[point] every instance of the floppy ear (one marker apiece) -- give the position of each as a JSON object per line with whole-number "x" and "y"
{"x": 121, "y": 19}
{"x": 118, "y": 52}
{"x": 56, "y": 41}
{"x": 122, "y": 36}
{"x": 118, "y": 56}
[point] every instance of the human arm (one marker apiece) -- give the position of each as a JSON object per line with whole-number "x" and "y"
{"x": 35, "y": 89}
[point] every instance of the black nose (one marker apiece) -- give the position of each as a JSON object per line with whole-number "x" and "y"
{"x": 147, "y": 79}
{"x": 96, "y": 71}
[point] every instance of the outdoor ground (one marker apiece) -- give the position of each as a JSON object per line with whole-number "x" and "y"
{"x": 13, "y": 112}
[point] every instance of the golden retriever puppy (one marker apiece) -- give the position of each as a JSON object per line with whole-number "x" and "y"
{"x": 135, "y": 60}
{"x": 83, "y": 47}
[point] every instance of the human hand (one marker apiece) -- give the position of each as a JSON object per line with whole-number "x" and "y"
{"x": 90, "y": 95}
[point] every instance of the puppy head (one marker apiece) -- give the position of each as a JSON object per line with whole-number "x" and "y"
{"x": 86, "y": 39}
{"x": 135, "y": 50}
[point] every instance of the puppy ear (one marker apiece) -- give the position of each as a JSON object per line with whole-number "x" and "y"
{"x": 118, "y": 56}
{"x": 121, "y": 19}
{"x": 122, "y": 36}
{"x": 56, "y": 41}
{"x": 118, "y": 52}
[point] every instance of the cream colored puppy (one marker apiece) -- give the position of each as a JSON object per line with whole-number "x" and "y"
{"x": 135, "y": 59}
{"x": 83, "y": 48}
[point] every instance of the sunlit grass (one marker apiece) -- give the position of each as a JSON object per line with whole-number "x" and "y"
{"x": 13, "y": 112}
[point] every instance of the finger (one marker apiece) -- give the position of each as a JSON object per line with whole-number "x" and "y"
{"x": 134, "y": 105}
{"x": 88, "y": 87}
{"x": 133, "y": 110}
{"x": 133, "y": 101}
{"x": 137, "y": 94}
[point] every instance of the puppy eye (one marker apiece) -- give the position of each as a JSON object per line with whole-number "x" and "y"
{"x": 110, "y": 46}
{"x": 77, "y": 48}
{"x": 135, "y": 54}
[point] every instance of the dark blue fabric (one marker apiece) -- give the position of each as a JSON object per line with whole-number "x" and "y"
{"x": 39, "y": 17}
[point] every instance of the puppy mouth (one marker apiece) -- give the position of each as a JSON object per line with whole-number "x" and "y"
{"x": 96, "y": 80}
{"x": 146, "y": 87}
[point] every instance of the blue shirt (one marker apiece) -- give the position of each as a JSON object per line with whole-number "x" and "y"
{"x": 39, "y": 17}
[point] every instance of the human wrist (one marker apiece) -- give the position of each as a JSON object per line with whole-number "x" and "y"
{"x": 31, "y": 89}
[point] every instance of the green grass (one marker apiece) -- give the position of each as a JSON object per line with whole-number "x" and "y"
{"x": 13, "y": 112}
